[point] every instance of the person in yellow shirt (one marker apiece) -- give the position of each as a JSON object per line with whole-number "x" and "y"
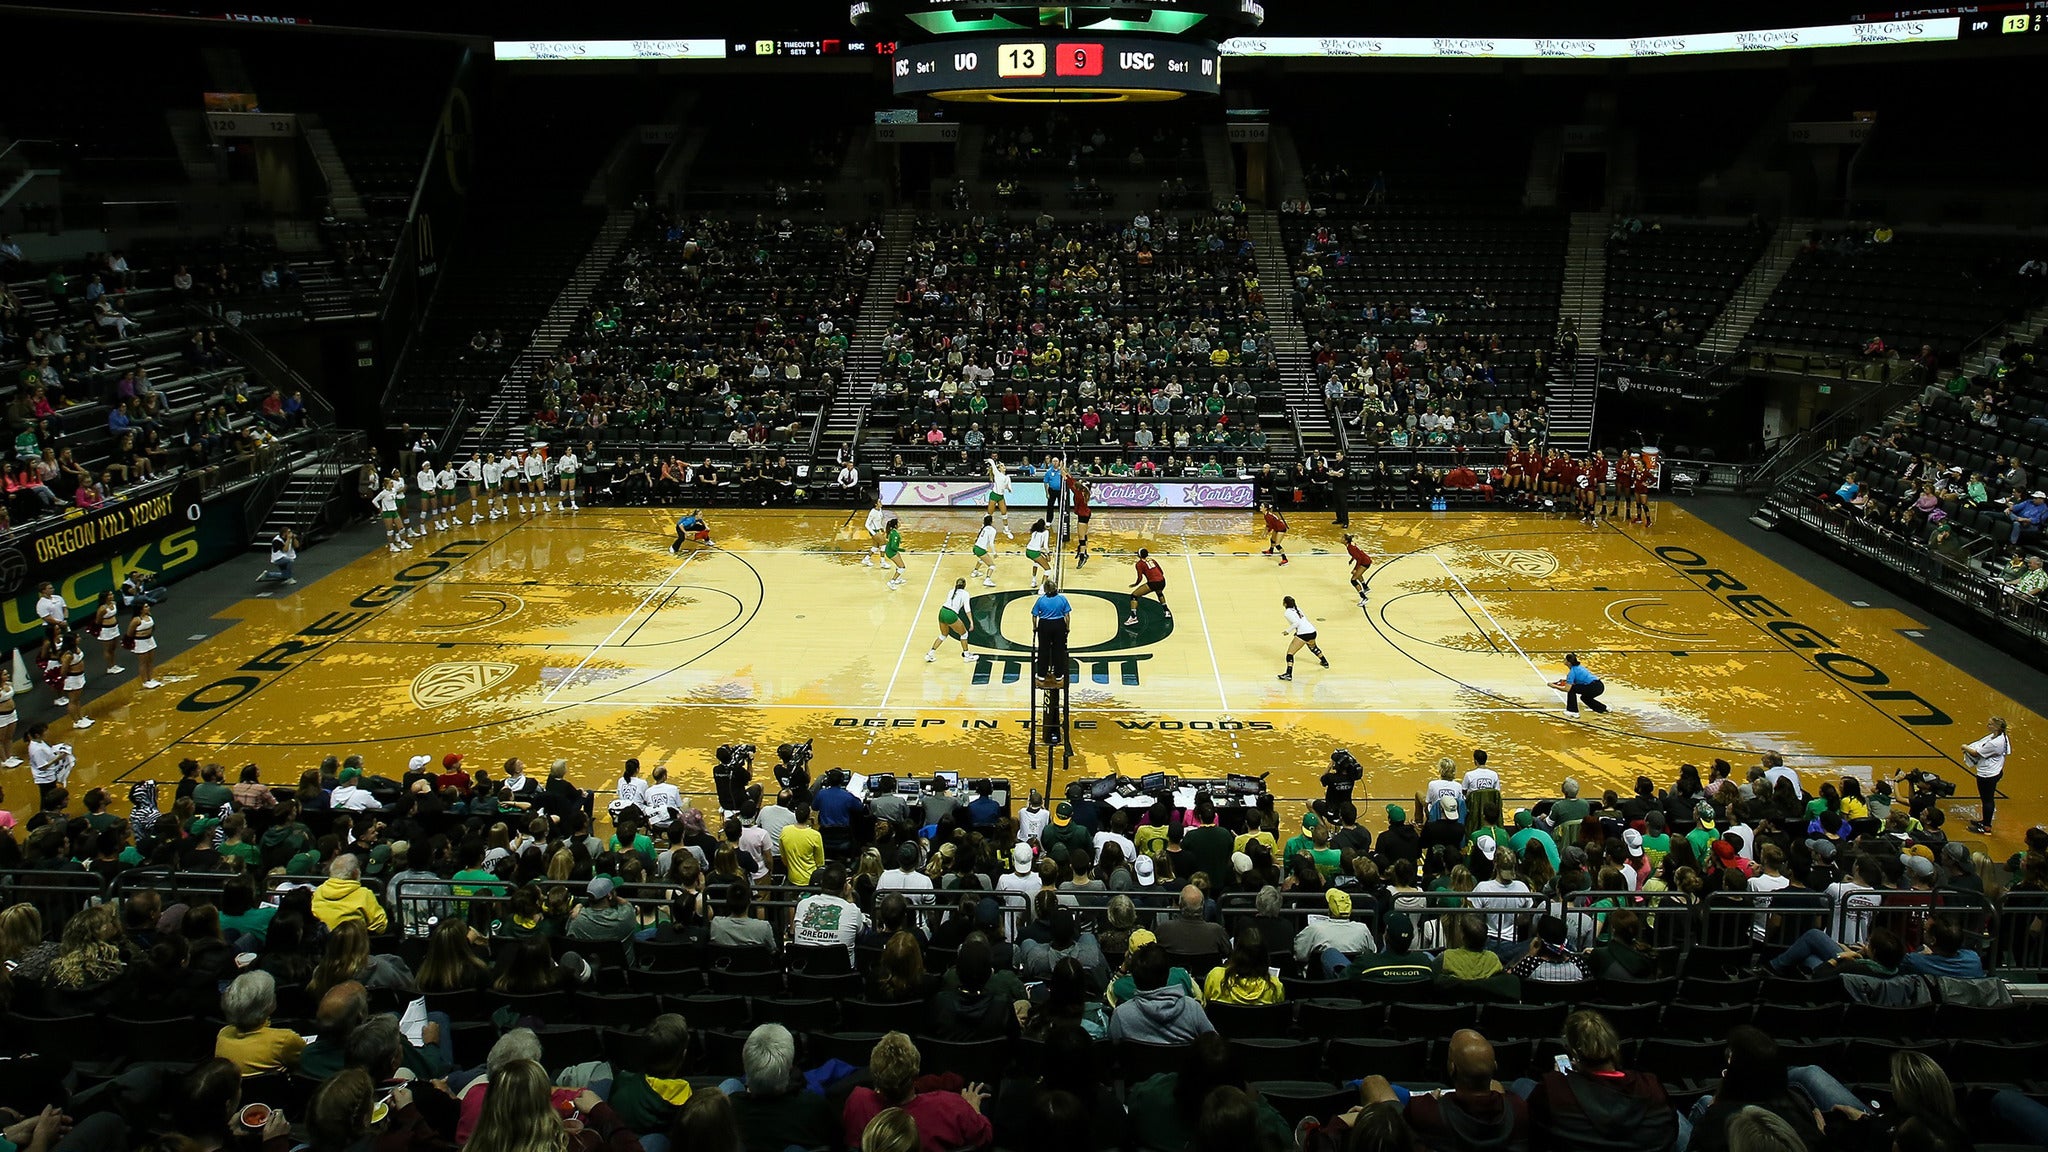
{"x": 342, "y": 897}
{"x": 1154, "y": 832}
{"x": 1263, "y": 834}
{"x": 1245, "y": 977}
{"x": 248, "y": 1041}
{"x": 803, "y": 846}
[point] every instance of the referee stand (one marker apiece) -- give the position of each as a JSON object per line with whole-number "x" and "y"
{"x": 1051, "y": 676}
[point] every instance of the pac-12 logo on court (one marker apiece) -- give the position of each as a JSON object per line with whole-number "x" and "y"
{"x": 442, "y": 684}
{"x": 1534, "y": 563}
{"x": 1012, "y": 657}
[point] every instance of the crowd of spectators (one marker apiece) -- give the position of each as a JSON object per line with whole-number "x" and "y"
{"x": 1145, "y": 338}
{"x": 417, "y": 962}
{"x": 724, "y": 333}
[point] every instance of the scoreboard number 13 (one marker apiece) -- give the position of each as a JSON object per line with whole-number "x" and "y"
{"x": 1019, "y": 60}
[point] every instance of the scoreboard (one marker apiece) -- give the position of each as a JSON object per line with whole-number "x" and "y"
{"x": 1023, "y": 68}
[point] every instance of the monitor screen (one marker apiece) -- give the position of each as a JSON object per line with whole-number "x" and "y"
{"x": 952, "y": 779}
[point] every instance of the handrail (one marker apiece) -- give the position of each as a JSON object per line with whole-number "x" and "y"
{"x": 247, "y": 347}
{"x": 1857, "y": 411}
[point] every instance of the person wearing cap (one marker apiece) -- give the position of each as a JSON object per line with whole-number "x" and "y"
{"x": 349, "y": 795}
{"x": 828, "y": 916}
{"x": 1336, "y": 936}
{"x": 1399, "y": 961}
{"x": 1527, "y": 833}
{"x": 1068, "y": 834}
{"x": 1446, "y": 827}
{"x": 1032, "y": 820}
{"x": 1400, "y": 841}
{"x": 603, "y": 915}
{"x": 452, "y": 775}
{"x": 1018, "y": 889}
{"x": 915, "y": 886}
{"x": 2026, "y": 517}
{"x": 1959, "y": 870}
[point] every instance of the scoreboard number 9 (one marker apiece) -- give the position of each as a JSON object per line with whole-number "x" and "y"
{"x": 1020, "y": 60}
{"x": 1078, "y": 60}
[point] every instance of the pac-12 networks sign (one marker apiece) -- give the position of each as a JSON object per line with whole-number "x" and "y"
{"x": 1101, "y": 494}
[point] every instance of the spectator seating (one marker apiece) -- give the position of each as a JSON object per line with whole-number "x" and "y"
{"x": 1938, "y": 289}
{"x": 1667, "y": 284}
{"x": 1141, "y": 342}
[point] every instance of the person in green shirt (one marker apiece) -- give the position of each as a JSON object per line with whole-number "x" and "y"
{"x": 472, "y": 877}
{"x": 1703, "y": 832}
{"x": 236, "y": 845}
{"x": 96, "y": 815}
{"x": 1571, "y": 807}
{"x": 1161, "y": 1111}
{"x": 648, "y": 1094}
{"x": 1470, "y": 960}
{"x": 212, "y": 792}
{"x": 241, "y": 914}
{"x": 1527, "y": 833}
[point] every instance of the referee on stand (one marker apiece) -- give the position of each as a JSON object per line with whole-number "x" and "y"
{"x": 1050, "y": 614}
{"x": 1578, "y": 684}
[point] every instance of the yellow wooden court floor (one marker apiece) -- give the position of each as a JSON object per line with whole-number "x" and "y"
{"x": 580, "y": 635}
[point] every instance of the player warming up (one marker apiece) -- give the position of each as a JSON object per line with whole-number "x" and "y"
{"x": 1360, "y": 561}
{"x": 1151, "y": 581}
{"x": 389, "y": 504}
{"x": 999, "y": 484}
{"x": 690, "y": 526}
{"x": 1080, "y": 490}
{"x": 535, "y": 471}
{"x": 878, "y": 531}
{"x": 565, "y": 470}
{"x": 1301, "y": 632}
{"x": 1036, "y": 550}
{"x": 953, "y": 622}
{"x": 892, "y": 553}
{"x": 444, "y": 485}
{"x": 1639, "y": 492}
{"x": 1276, "y": 533}
{"x": 472, "y": 473}
{"x": 985, "y": 552}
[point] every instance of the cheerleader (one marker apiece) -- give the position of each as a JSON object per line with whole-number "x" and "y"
{"x": 494, "y": 486}
{"x": 106, "y": 622}
{"x": 954, "y": 622}
{"x": 999, "y": 485}
{"x": 1081, "y": 492}
{"x": 390, "y": 504}
{"x": 71, "y": 659}
{"x": 429, "y": 503}
{"x": 142, "y": 631}
{"x": 1035, "y": 551}
{"x": 1302, "y": 634}
{"x": 9, "y": 717}
{"x": 1360, "y": 561}
{"x": 565, "y": 472}
{"x": 892, "y": 553}
{"x": 1276, "y": 532}
{"x": 444, "y": 484}
{"x": 984, "y": 552}
{"x": 472, "y": 473}
{"x": 878, "y": 532}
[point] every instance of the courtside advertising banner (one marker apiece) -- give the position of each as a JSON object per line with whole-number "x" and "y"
{"x": 1103, "y": 492}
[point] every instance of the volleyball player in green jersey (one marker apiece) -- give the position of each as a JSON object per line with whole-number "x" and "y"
{"x": 985, "y": 552}
{"x": 953, "y": 622}
{"x": 892, "y": 552}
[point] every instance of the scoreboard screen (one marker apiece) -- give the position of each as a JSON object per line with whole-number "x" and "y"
{"x": 1023, "y": 68}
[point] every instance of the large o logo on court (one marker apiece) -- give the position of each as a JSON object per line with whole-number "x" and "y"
{"x": 1119, "y": 653}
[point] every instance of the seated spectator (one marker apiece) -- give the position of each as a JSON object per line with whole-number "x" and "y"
{"x": 735, "y": 925}
{"x": 946, "y": 1121}
{"x": 1596, "y": 1106}
{"x": 1189, "y": 932}
{"x": 1944, "y": 954}
{"x": 1469, "y": 958}
{"x": 978, "y": 999}
{"x": 1337, "y": 937}
{"x": 342, "y": 898}
{"x": 451, "y": 963}
{"x": 1037, "y": 960}
{"x": 1551, "y": 958}
{"x": 899, "y": 976}
{"x": 248, "y": 1041}
{"x": 1754, "y": 1078}
{"x": 1922, "y": 1098}
{"x": 1164, "y": 1110}
{"x": 1399, "y": 961}
{"x": 774, "y": 1110}
{"x": 522, "y": 1104}
{"x": 604, "y": 915}
{"x": 707, "y": 1124}
{"x": 1475, "y": 1113}
{"x": 1244, "y": 977}
{"x": 649, "y": 1095}
{"x": 1068, "y": 1065}
{"x": 348, "y": 957}
{"x": 1161, "y": 1011}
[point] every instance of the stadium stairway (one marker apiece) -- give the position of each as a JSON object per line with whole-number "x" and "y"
{"x": 1306, "y": 409}
{"x": 1574, "y": 387}
{"x": 503, "y": 423}
{"x": 1732, "y": 326}
{"x": 849, "y": 406}
{"x": 342, "y": 200}
{"x": 1219, "y": 162}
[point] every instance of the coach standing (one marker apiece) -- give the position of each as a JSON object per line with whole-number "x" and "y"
{"x": 1578, "y": 684}
{"x": 1986, "y": 757}
{"x": 1050, "y": 615}
{"x": 1340, "y": 495}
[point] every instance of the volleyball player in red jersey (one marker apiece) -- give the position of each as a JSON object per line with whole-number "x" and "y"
{"x": 1276, "y": 533}
{"x": 1360, "y": 561}
{"x": 1625, "y": 483}
{"x": 1554, "y": 478}
{"x": 1518, "y": 462}
{"x": 1586, "y": 477}
{"x": 1640, "y": 494}
{"x": 1079, "y": 488}
{"x": 1151, "y": 581}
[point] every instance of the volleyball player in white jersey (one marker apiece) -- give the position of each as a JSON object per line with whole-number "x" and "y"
{"x": 428, "y": 495}
{"x": 391, "y": 507}
{"x": 534, "y": 469}
{"x": 999, "y": 485}
{"x": 494, "y": 486}
{"x": 1301, "y": 633}
{"x": 404, "y": 528}
{"x": 1037, "y": 551}
{"x": 444, "y": 484}
{"x": 985, "y": 552}
{"x": 565, "y": 471}
{"x": 878, "y": 530}
{"x": 472, "y": 472}
{"x": 955, "y": 622}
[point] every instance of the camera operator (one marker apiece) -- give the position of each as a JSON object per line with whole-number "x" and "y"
{"x": 732, "y": 775}
{"x": 1344, "y": 774}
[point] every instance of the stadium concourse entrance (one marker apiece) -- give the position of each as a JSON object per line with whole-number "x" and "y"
{"x": 580, "y": 635}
